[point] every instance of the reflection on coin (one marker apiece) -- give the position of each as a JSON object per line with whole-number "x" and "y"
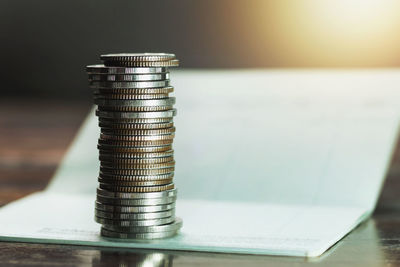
{"x": 129, "y": 77}
{"x": 134, "y": 209}
{"x": 148, "y": 84}
{"x": 134, "y": 216}
{"x": 100, "y": 68}
{"x": 136, "y": 202}
{"x": 110, "y": 194}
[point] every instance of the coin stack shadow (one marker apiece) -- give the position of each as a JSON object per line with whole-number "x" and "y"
{"x": 136, "y": 194}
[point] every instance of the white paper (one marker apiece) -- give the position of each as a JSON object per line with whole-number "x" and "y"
{"x": 268, "y": 162}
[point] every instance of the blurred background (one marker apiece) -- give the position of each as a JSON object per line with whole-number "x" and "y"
{"x": 45, "y": 45}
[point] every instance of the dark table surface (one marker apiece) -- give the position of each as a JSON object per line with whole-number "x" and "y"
{"x": 34, "y": 135}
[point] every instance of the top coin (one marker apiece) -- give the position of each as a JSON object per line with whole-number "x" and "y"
{"x": 141, "y": 57}
{"x": 100, "y": 68}
{"x": 131, "y": 63}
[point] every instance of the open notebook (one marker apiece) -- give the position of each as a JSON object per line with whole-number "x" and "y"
{"x": 268, "y": 162}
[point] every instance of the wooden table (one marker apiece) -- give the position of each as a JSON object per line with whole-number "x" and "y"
{"x": 33, "y": 138}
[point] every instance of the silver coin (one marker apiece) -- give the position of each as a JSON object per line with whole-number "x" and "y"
{"x": 152, "y": 132}
{"x": 114, "y": 187}
{"x": 107, "y": 148}
{"x": 107, "y": 125}
{"x": 136, "y": 155}
{"x": 135, "y": 202}
{"x": 150, "y": 222}
{"x": 135, "y": 172}
{"x": 124, "y": 92}
{"x": 129, "y": 77}
{"x": 166, "y": 63}
{"x": 100, "y": 68}
{"x": 138, "y": 57}
{"x": 136, "y": 144}
{"x": 134, "y": 183}
{"x": 134, "y": 109}
{"x": 137, "y": 115}
{"x": 176, "y": 225}
{"x": 136, "y": 166}
{"x": 135, "y": 103}
{"x": 139, "y": 236}
{"x": 107, "y": 158}
{"x": 134, "y": 216}
{"x": 136, "y": 178}
{"x": 98, "y": 95}
{"x": 135, "y": 120}
{"x": 110, "y": 194}
{"x": 130, "y": 184}
{"x": 137, "y": 138}
{"x": 134, "y": 209}
{"x": 148, "y": 84}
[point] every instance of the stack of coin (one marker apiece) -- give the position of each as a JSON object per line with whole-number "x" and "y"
{"x": 136, "y": 194}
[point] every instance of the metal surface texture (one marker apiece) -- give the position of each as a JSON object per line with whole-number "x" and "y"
{"x": 135, "y": 223}
{"x": 138, "y": 57}
{"x": 129, "y": 77}
{"x": 133, "y": 209}
{"x": 135, "y": 103}
{"x": 176, "y": 225}
{"x": 100, "y": 68}
{"x": 134, "y": 91}
{"x": 136, "y": 178}
{"x": 138, "y": 115}
{"x": 148, "y": 84}
{"x": 135, "y": 183}
{"x": 134, "y": 215}
{"x": 135, "y": 202}
{"x": 170, "y": 63}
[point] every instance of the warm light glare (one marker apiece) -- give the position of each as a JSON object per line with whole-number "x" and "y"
{"x": 331, "y": 32}
{"x": 357, "y": 29}
{"x": 364, "y": 17}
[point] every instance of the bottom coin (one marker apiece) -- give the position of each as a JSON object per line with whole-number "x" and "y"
{"x": 174, "y": 226}
{"x": 149, "y": 236}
